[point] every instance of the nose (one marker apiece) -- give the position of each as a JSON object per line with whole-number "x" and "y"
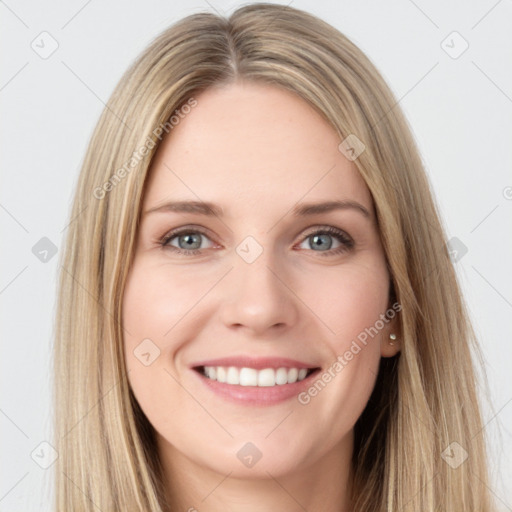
{"x": 258, "y": 298}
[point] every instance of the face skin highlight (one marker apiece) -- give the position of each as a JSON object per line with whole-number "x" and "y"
{"x": 257, "y": 152}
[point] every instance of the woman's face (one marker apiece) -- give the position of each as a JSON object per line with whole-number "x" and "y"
{"x": 260, "y": 293}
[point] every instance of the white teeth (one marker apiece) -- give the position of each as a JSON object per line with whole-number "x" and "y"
{"x": 233, "y": 376}
{"x": 221, "y": 373}
{"x": 248, "y": 377}
{"x": 267, "y": 377}
{"x": 282, "y": 376}
{"x": 302, "y": 373}
{"x": 293, "y": 374}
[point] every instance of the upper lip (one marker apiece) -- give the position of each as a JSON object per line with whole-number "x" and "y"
{"x": 258, "y": 363}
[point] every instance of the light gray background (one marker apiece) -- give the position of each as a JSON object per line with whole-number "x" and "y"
{"x": 460, "y": 110}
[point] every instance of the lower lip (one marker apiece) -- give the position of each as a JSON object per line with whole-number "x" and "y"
{"x": 255, "y": 395}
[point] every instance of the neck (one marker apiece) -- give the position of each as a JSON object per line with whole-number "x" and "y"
{"x": 323, "y": 485}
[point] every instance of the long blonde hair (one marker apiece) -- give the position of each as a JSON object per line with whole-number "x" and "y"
{"x": 424, "y": 399}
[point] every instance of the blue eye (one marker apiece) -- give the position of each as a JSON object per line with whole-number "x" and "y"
{"x": 321, "y": 239}
{"x": 189, "y": 241}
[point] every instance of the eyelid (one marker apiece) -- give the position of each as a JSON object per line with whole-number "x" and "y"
{"x": 325, "y": 227}
{"x": 186, "y": 229}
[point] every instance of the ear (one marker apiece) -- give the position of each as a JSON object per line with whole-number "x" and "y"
{"x": 389, "y": 347}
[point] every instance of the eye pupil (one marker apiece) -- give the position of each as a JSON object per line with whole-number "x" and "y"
{"x": 319, "y": 239}
{"x": 190, "y": 240}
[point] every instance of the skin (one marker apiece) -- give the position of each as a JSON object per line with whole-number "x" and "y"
{"x": 255, "y": 150}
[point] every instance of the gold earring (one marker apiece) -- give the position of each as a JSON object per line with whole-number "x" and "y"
{"x": 392, "y": 337}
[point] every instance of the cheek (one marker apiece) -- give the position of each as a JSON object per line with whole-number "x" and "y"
{"x": 347, "y": 301}
{"x": 156, "y": 301}
{"x": 350, "y": 305}
{"x": 161, "y": 313}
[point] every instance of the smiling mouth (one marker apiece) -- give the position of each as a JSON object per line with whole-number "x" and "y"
{"x": 244, "y": 376}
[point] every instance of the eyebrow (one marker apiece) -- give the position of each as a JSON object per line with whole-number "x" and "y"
{"x": 302, "y": 210}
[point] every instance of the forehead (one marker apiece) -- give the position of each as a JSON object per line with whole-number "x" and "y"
{"x": 253, "y": 145}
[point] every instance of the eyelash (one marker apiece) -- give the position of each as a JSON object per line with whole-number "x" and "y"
{"x": 346, "y": 241}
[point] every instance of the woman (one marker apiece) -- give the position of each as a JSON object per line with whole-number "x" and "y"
{"x": 210, "y": 354}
